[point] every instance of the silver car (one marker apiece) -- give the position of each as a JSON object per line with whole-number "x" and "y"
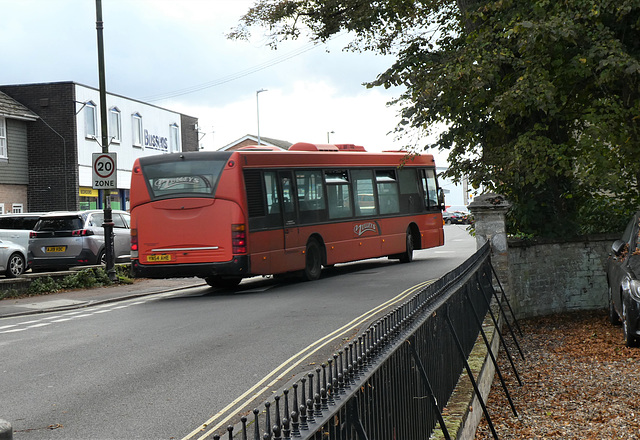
{"x": 13, "y": 259}
{"x": 64, "y": 239}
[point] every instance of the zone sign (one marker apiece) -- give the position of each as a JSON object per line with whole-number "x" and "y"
{"x": 105, "y": 171}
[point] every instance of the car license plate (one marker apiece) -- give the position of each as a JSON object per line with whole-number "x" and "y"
{"x": 163, "y": 257}
{"x": 55, "y": 248}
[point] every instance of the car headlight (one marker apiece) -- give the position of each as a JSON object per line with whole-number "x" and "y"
{"x": 633, "y": 287}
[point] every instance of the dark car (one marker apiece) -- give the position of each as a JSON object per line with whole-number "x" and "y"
{"x": 623, "y": 277}
{"x": 456, "y": 218}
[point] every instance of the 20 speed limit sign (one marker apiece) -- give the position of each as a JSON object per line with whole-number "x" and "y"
{"x": 105, "y": 171}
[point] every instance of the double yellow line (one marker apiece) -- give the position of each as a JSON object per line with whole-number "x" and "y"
{"x": 283, "y": 369}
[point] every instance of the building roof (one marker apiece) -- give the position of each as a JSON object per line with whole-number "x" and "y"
{"x": 263, "y": 141}
{"x": 10, "y": 108}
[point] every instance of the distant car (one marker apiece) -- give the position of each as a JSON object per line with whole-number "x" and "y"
{"x": 456, "y": 218}
{"x": 64, "y": 239}
{"x": 623, "y": 278}
{"x": 13, "y": 259}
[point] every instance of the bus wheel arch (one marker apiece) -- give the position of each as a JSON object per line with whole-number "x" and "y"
{"x": 314, "y": 258}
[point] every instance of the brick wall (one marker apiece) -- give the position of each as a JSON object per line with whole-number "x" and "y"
{"x": 550, "y": 277}
{"x": 189, "y": 133}
{"x": 11, "y": 194}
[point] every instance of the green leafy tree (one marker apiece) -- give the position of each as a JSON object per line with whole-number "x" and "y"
{"x": 540, "y": 100}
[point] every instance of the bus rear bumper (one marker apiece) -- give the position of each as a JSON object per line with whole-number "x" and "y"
{"x": 239, "y": 266}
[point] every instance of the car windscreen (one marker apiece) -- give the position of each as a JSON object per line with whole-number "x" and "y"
{"x": 189, "y": 178}
{"x": 59, "y": 224}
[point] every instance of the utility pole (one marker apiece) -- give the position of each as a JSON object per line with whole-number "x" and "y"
{"x": 106, "y": 193}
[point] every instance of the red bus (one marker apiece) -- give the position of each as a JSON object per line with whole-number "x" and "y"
{"x": 227, "y": 215}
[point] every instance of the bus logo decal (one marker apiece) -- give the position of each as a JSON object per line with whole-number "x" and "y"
{"x": 167, "y": 183}
{"x": 365, "y": 227}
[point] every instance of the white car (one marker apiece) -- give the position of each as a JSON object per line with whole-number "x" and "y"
{"x": 13, "y": 259}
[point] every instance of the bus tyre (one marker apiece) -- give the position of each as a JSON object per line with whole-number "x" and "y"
{"x": 313, "y": 261}
{"x": 223, "y": 282}
{"x": 407, "y": 256}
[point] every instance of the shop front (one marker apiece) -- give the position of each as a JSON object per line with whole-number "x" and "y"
{"x": 93, "y": 199}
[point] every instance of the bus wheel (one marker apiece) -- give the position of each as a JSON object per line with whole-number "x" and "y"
{"x": 407, "y": 256}
{"x": 224, "y": 282}
{"x": 313, "y": 261}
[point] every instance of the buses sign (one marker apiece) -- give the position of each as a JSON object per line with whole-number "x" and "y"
{"x": 105, "y": 171}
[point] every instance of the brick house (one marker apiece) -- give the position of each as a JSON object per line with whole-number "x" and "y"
{"x": 14, "y": 121}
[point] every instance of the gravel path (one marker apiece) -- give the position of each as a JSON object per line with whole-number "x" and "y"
{"x": 579, "y": 382}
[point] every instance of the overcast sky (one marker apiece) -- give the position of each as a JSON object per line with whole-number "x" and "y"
{"x": 158, "y": 50}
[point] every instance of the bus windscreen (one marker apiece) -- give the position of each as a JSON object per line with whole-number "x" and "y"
{"x": 183, "y": 179}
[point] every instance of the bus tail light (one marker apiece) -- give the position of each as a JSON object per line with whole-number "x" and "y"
{"x": 239, "y": 239}
{"x": 134, "y": 243}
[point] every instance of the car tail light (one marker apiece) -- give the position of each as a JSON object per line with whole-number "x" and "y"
{"x": 33, "y": 234}
{"x": 134, "y": 243}
{"x": 239, "y": 239}
{"x": 82, "y": 233}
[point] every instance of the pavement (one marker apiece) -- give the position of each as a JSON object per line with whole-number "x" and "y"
{"x": 76, "y": 299}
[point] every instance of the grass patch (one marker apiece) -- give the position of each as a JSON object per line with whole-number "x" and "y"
{"x": 83, "y": 279}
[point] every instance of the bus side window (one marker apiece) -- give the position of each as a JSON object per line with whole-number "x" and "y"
{"x": 338, "y": 194}
{"x": 429, "y": 187}
{"x": 387, "y": 191}
{"x": 311, "y": 200}
{"x": 364, "y": 196}
{"x": 410, "y": 198}
{"x": 271, "y": 192}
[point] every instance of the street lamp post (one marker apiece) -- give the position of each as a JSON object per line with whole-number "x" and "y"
{"x": 108, "y": 219}
{"x": 258, "y": 111}
{"x": 328, "y": 133}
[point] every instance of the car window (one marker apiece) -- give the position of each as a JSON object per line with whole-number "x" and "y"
{"x": 96, "y": 220}
{"x": 118, "y": 222}
{"x": 59, "y": 224}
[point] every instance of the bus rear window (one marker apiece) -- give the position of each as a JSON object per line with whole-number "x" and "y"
{"x": 183, "y": 179}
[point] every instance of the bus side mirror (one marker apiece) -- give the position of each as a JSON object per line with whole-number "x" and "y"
{"x": 441, "y": 198}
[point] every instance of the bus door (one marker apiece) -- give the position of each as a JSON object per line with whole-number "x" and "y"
{"x": 290, "y": 224}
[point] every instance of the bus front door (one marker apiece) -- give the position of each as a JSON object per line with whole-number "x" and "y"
{"x": 292, "y": 241}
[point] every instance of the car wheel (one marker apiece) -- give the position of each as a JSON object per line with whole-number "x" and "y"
{"x": 102, "y": 258}
{"x": 223, "y": 282}
{"x": 613, "y": 315}
{"x": 630, "y": 340}
{"x": 407, "y": 256}
{"x": 313, "y": 261}
{"x": 15, "y": 266}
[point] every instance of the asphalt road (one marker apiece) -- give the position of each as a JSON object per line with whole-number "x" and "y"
{"x": 160, "y": 367}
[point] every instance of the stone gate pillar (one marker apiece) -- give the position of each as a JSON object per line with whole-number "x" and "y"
{"x": 489, "y": 211}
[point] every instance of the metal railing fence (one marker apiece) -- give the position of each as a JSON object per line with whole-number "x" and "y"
{"x": 392, "y": 381}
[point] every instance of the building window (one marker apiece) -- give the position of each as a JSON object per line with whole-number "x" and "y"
{"x": 115, "y": 124}
{"x": 174, "y": 144}
{"x": 16, "y": 208}
{"x": 136, "y": 123}
{"x": 3, "y": 139}
{"x": 1, "y": 208}
{"x": 90, "y": 120}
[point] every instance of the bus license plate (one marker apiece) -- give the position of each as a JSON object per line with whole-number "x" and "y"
{"x": 163, "y": 257}
{"x": 55, "y": 248}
